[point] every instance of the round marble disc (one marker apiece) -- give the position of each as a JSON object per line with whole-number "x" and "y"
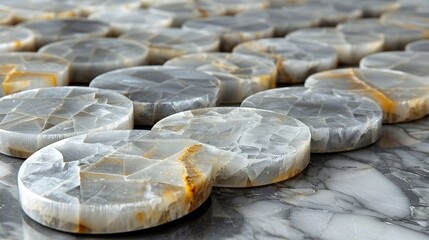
{"x": 418, "y": 46}
{"x": 25, "y": 70}
{"x": 158, "y": 91}
{"x": 269, "y": 147}
{"x": 232, "y": 30}
{"x": 122, "y": 21}
{"x": 338, "y": 121}
{"x": 49, "y": 31}
{"x": 181, "y": 12}
{"x": 236, "y": 6}
{"x": 168, "y": 43}
{"x": 350, "y": 47}
{"x": 402, "y": 96}
{"x": 415, "y": 63}
{"x": 118, "y": 181}
{"x": 240, "y": 75}
{"x": 283, "y": 20}
{"x": 413, "y": 19}
{"x": 395, "y": 37}
{"x": 284, "y": 3}
{"x": 6, "y": 17}
{"x": 92, "y": 57}
{"x": 88, "y": 7}
{"x": 36, "y": 118}
{"x": 295, "y": 59}
{"x": 16, "y": 39}
{"x": 372, "y": 8}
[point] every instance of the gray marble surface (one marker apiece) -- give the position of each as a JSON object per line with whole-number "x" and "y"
{"x": 379, "y": 192}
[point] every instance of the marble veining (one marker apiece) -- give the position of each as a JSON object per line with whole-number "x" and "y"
{"x": 16, "y": 39}
{"x": 236, "y": 6}
{"x": 88, "y": 7}
{"x": 410, "y": 18}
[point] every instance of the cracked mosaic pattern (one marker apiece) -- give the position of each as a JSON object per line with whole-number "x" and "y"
{"x": 240, "y": 75}
{"x": 395, "y": 37}
{"x": 295, "y": 60}
{"x": 158, "y": 92}
{"x": 418, "y": 46}
{"x": 122, "y": 21}
{"x": 350, "y": 47}
{"x": 410, "y": 18}
{"x": 415, "y": 63}
{"x": 168, "y": 43}
{"x": 183, "y": 11}
{"x": 231, "y": 30}
{"x": 16, "y": 39}
{"x": 338, "y": 121}
{"x": 25, "y": 70}
{"x": 88, "y": 7}
{"x": 269, "y": 147}
{"x": 119, "y": 181}
{"x": 56, "y": 30}
{"x": 236, "y": 6}
{"x": 33, "y": 119}
{"x": 403, "y": 97}
{"x": 92, "y": 57}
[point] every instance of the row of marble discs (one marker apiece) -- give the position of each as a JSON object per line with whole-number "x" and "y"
{"x": 216, "y": 118}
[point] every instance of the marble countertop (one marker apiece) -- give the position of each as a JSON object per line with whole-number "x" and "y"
{"x": 378, "y": 192}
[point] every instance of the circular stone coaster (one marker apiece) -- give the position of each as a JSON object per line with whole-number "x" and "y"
{"x": 284, "y": 3}
{"x": 236, "y": 6}
{"x": 92, "y": 57}
{"x": 49, "y": 31}
{"x": 122, "y": 21}
{"x": 395, "y": 37}
{"x": 415, "y": 63}
{"x": 283, "y": 20}
{"x": 158, "y": 92}
{"x": 150, "y": 3}
{"x": 338, "y": 121}
{"x": 118, "y": 181}
{"x": 373, "y": 8}
{"x": 413, "y": 19}
{"x": 6, "y": 17}
{"x": 181, "y": 12}
{"x": 25, "y": 70}
{"x": 295, "y": 60}
{"x": 418, "y": 46}
{"x": 402, "y": 96}
{"x": 350, "y": 47}
{"x": 88, "y": 7}
{"x": 168, "y": 43}
{"x": 240, "y": 75}
{"x": 36, "y": 118}
{"x": 16, "y": 39}
{"x": 232, "y": 30}
{"x": 269, "y": 147}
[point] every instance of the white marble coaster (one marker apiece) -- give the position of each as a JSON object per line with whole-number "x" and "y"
{"x": 338, "y": 121}
{"x": 410, "y": 18}
{"x": 418, "y": 46}
{"x": 118, "y": 181}
{"x": 181, "y": 12}
{"x": 36, "y": 118}
{"x": 402, "y": 96}
{"x": 158, "y": 92}
{"x": 16, "y": 39}
{"x": 232, "y": 30}
{"x": 240, "y": 75}
{"x": 167, "y": 43}
{"x": 372, "y": 8}
{"x": 415, "y": 63}
{"x": 269, "y": 146}
{"x": 88, "y": 7}
{"x": 350, "y": 47}
{"x": 92, "y": 57}
{"x": 236, "y": 6}
{"x": 295, "y": 59}
{"x": 395, "y": 37}
{"x": 49, "y": 31}
{"x": 6, "y": 17}
{"x": 122, "y": 21}
{"x": 283, "y": 20}
{"x": 25, "y": 70}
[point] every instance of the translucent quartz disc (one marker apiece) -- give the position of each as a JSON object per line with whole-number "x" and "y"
{"x": 241, "y": 75}
{"x": 418, "y": 46}
{"x": 25, "y": 70}
{"x": 16, "y": 39}
{"x": 92, "y": 57}
{"x": 295, "y": 59}
{"x": 231, "y": 30}
{"x": 158, "y": 92}
{"x": 118, "y": 181}
{"x": 338, "y": 121}
{"x": 350, "y": 47}
{"x": 269, "y": 147}
{"x": 416, "y": 63}
{"x": 402, "y": 96}
{"x": 168, "y": 43}
{"x": 48, "y": 31}
{"x": 33, "y": 119}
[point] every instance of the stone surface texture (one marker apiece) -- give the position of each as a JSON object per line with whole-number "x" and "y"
{"x": 418, "y": 46}
{"x": 16, "y": 39}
